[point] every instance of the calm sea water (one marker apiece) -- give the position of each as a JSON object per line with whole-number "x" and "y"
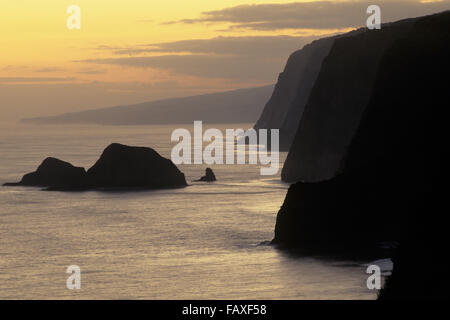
{"x": 200, "y": 242}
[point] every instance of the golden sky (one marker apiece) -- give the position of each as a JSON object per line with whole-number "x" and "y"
{"x": 34, "y": 33}
{"x": 128, "y": 51}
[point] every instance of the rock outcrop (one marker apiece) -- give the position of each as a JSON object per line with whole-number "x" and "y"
{"x": 119, "y": 166}
{"x": 209, "y": 176}
{"x": 336, "y": 103}
{"x": 123, "y": 166}
{"x": 55, "y": 173}
{"x": 386, "y": 182}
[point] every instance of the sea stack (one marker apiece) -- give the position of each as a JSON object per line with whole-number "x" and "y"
{"x": 53, "y": 173}
{"x": 119, "y": 166}
{"x": 122, "y": 166}
{"x": 209, "y": 176}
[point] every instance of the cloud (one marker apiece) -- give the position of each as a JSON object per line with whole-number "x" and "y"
{"x": 261, "y": 46}
{"x": 49, "y": 70}
{"x": 34, "y": 79}
{"x": 202, "y": 65}
{"x": 314, "y": 15}
{"x": 257, "y": 46}
{"x": 244, "y": 58}
{"x": 91, "y": 71}
{"x": 15, "y": 68}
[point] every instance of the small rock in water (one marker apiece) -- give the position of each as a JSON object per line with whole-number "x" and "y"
{"x": 209, "y": 176}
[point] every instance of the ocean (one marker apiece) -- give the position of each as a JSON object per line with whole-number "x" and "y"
{"x": 205, "y": 241}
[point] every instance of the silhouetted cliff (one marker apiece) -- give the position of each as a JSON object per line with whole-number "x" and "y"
{"x": 336, "y": 103}
{"x": 119, "y": 166}
{"x": 387, "y": 179}
{"x": 285, "y": 90}
{"x": 417, "y": 68}
{"x": 315, "y": 53}
{"x": 292, "y": 88}
{"x": 420, "y": 269}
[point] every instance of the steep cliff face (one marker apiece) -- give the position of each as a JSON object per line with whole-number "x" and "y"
{"x": 336, "y": 103}
{"x": 387, "y": 179}
{"x": 276, "y": 108}
{"x": 318, "y": 51}
{"x": 292, "y": 89}
{"x": 419, "y": 86}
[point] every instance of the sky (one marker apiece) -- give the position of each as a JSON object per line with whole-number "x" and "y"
{"x": 130, "y": 51}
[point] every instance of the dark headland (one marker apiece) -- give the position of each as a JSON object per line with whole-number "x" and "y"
{"x": 237, "y": 106}
{"x": 367, "y": 154}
